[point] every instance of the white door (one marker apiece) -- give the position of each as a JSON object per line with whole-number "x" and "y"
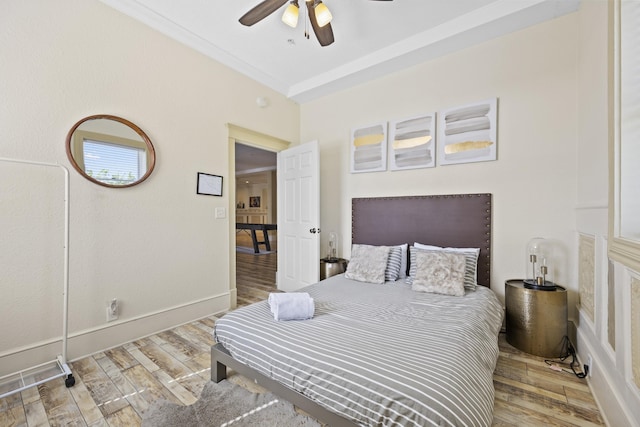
{"x": 298, "y": 216}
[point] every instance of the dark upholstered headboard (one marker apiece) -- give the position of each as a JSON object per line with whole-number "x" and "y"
{"x": 460, "y": 221}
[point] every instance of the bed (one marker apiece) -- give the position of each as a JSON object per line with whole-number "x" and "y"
{"x": 382, "y": 354}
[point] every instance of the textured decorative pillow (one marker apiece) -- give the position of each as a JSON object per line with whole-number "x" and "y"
{"x": 394, "y": 261}
{"x": 440, "y": 272}
{"x": 471, "y": 262}
{"x": 412, "y": 263}
{"x": 368, "y": 263}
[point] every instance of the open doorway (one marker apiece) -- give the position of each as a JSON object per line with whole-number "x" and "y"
{"x": 248, "y": 137}
{"x": 256, "y": 199}
{"x": 255, "y": 218}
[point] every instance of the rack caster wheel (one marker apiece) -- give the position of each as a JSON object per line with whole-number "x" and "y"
{"x": 69, "y": 381}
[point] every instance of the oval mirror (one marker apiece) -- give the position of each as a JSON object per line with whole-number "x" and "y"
{"x": 110, "y": 151}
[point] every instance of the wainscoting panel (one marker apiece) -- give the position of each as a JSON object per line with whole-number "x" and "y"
{"x": 604, "y": 319}
{"x": 586, "y": 272}
{"x": 611, "y": 304}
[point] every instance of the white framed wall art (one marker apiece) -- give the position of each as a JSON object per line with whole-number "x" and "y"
{"x": 468, "y": 133}
{"x": 412, "y": 142}
{"x": 369, "y": 148}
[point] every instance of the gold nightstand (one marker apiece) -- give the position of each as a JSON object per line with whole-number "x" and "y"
{"x": 536, "y": 319}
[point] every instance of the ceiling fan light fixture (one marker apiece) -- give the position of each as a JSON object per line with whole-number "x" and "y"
{"x": 323, "y": 15}
{"x": 290, "y": 16}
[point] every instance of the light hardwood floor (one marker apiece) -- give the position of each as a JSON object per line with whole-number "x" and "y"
{"x": 115, "y": 387}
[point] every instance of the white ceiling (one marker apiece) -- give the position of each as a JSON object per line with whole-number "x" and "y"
{"x": 372, "y": 38}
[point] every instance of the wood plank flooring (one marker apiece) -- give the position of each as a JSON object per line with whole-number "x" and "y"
{"x": 115, "y": 387}
{"x": 255, "y": 274}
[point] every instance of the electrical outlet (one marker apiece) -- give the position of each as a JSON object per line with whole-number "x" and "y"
{"x": 590, "y": 365}
{"x": 112, "y": 310}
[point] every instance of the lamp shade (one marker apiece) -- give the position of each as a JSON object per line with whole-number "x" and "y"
{"x": 332, "y": 246}
{"x": 540, "y": 262}
{"x": 323, "y": 16}
{"x": 290, "y": 16}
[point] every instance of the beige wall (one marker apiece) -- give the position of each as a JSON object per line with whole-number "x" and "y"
{"x": 533, "y": 182}
{"x": 263, "y": 185}
{"x": 156, "y": 247}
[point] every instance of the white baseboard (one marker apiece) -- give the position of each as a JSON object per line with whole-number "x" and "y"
{"x": 89, "y": 341}
{"x": 608, "y": 390}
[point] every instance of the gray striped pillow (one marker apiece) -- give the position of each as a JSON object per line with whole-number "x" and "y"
{"x": 394, "y": 263}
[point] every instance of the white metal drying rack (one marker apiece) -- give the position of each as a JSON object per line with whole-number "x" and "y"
{"x": 60, "y": 363}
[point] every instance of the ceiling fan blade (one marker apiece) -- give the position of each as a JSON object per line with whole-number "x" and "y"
{"x": 261, "y": 11}
{"x": 323, "y": 34}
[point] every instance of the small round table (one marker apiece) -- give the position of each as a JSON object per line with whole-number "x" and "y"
{"x": 332, "y": 266}
{"x": 536, "y": 319}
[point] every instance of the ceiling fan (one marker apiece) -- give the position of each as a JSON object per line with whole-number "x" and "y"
{"x": 319, "y": 16}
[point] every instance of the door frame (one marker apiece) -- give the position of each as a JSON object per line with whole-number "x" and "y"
{"x": 238, "y": 134}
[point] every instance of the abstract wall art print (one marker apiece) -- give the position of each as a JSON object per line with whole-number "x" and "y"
{"x": 468, "y": 133}
{"x": 412, "y": 142}
{"x": 369, "y": 148}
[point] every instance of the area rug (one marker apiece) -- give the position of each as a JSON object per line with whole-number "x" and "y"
{"x": 227, "y": 404}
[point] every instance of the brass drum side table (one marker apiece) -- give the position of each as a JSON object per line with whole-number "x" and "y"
{"x": 536, "y": 319}
{"x": 332, "y": 266}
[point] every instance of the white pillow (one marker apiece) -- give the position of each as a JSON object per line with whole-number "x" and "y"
{"x": 440, "y": 272}
{"x": 368, "y": 263}
{"x": 471, "y": 264}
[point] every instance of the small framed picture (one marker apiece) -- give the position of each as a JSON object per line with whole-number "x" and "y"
{"x": 254, "y": 201}
{"x": 209, "y": 185}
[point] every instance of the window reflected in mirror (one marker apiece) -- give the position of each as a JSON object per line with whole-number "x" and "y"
{"x": 110, "y": 151}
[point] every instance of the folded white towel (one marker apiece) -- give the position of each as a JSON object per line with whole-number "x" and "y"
{"x": 291, "y": 305}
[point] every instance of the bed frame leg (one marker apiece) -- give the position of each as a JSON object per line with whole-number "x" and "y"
{"x": 219, "y": 373}
{"x": 218, "y": 369}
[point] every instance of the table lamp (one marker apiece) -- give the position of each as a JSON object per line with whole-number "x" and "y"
{"x": 540, "y": 259}
{"x": 332, "y": 246}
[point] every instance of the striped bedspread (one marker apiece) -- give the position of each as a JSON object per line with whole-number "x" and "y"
{"x": 381, "y": 355}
